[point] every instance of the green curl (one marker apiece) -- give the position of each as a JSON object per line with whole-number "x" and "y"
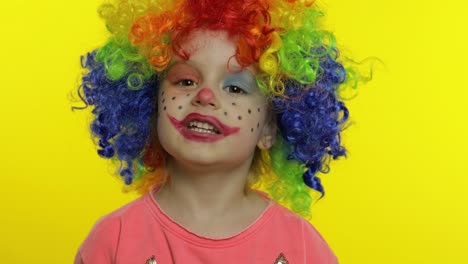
{"x": 290, "y": 185}
{"x": 120, "y": 57}
{"x": 303, "y": 48}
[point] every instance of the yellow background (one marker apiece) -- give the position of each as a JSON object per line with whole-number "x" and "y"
{"x": 400, "y": 197}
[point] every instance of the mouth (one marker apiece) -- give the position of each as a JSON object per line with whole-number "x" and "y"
{"x": 202, "y": 128}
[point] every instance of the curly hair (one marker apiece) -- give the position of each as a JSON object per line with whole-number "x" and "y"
{"x": 299, "y": 72}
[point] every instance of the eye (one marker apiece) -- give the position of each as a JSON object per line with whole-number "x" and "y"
{"x": 235, "y": 89}
{"x": 186, "y": 82}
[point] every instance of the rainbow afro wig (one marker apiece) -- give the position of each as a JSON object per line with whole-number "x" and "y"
{"x": 298, "y": 71}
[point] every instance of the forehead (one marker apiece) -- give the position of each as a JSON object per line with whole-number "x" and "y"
{"x": 216, "y": 41}
{"x": 209, "y": 48}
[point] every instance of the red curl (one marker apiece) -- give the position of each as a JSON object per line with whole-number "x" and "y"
{"x": 248, "y": 20}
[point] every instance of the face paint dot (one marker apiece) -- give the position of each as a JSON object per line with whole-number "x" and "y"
{"x": 239, "y": 117}
{"x": 233, "y": 103}
{"x": 162, "y": 93}
{"x": 258, "y": 124}
{"x": 180, "y": 107}
{"x": 164, "y": 108}
{"x": 225, "y": 113}
{"x": 250, "y": 111}
{"x": 258, "y": 109}
{"x": 163, "y": 100}
{"x": 187, "y": 94}
{"x": 251, "y": 130}
{"x": 173, "y": 98}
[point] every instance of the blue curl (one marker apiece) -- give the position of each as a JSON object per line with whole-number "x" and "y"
{"x": 313, "y": 181}
{"x": 123, "y": 113}
{"x": 310, "y": 119}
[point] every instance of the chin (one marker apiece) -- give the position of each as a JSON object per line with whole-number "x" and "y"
{"x": 198, "y": 158}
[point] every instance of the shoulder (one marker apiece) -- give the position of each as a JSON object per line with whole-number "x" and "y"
{"x": 315, "y": 246}
{"x": 102, "y": 241}
{"x": 112, "y": 221}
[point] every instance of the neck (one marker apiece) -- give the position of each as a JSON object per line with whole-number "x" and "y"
{"x": 205, "y": 191}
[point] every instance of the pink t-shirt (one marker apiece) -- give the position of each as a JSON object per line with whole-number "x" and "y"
{"x": 140, "y": 232}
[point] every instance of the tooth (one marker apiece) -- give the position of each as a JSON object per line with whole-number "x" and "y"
{"x": 202, "y": 127}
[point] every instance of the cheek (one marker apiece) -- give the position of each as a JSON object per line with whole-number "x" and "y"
{"x": 250, "y": 116}
{"x": 172, "y": 102}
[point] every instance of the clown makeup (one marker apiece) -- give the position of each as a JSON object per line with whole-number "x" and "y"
{"x": 235, "y": 85}
{"x": 242, "y": 82}
{"x": 209, "y": 113}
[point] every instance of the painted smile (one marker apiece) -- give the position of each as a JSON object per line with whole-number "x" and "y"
{"x": 202, "y": 128}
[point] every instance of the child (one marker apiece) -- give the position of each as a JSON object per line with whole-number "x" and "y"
{"x": 221, "y": 114}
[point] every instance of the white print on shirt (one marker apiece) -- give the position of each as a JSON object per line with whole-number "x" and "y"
{"x": 281, "y": 259}
{"x": 151, "y": 260}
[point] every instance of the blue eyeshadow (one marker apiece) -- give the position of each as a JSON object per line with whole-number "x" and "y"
{"x": 244, "y": 80}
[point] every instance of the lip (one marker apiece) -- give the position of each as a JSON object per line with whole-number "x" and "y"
{"x": 223, "y": 129}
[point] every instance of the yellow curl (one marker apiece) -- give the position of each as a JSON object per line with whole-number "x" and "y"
{"x": 276, "y": 42}
{"x": 268, "y": 63}
{"x": 277, "y": 86}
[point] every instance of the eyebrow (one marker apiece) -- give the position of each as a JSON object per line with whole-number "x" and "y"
{"x": 182, "y": 62}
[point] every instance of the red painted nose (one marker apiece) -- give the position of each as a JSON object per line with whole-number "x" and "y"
{"x": 205, "y": 96}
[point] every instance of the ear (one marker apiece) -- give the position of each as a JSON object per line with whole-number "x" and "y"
{"x": 268, "y": 136}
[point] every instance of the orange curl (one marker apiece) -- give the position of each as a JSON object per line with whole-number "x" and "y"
{"x": 160, "y": 57}
{"x": 153, "y": 157}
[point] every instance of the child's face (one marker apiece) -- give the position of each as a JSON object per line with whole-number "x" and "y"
{"x": 209, "y": 114}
